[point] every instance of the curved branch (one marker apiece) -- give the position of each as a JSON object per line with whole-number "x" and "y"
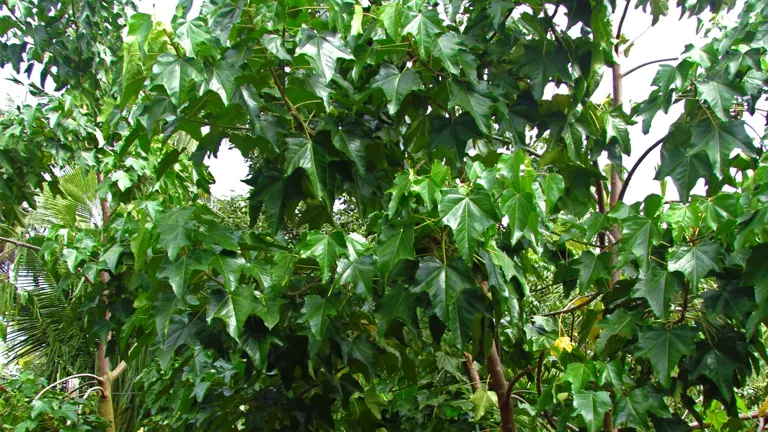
{"x": 631, "y": 173}
{"x": 517, "y": 378}
{"x": 749, "y": 416}
{"x": 589, "y": 300}
{"x": 524, "y": 148}
{"x": 85, "y": 396}
{"x": 97, "y": 378}
{"x": 648, "y": 64}
{"x": 119, "y": 369}
{"x": 621, "y": 24}
{"x": 20, "y": 244}
{"x": 87, "y": 383}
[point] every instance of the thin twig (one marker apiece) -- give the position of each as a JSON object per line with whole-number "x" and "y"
{"x": 648, "y": 64}
{"x": 20, "y": 244}
{"x": 98, "y": 379}
{"x": 640, "y": 160}
{"x": 621, "y": 24}
{"x": 306, "y": 288}
{"x": 509, "y": 141}
{"x": 474, "y": 377}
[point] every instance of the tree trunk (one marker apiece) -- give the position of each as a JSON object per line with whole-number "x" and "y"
{"x": 499, "y": 385}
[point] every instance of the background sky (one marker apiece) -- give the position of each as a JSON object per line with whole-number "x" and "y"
{"x": 666, "y": 39}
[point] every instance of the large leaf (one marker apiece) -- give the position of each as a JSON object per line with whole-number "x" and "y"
{"x": 519, "y": 208}
{"x": 229, "y": 267}
{"x": 424, "y": 29}
{"x": 301, "y": 153}
{"x": 179, "y": 271}
{"x": 638, "y": 235}
{"x": 468, "y": 216}
{"x": 592, "y": 406}
{"x": 664, "y": 348}
{"x": 191, "y": 35}
{"x": 175, "y": 74}
{"x": 483, "y": 400}
{"x": 657, "y": 286}
{"x": 232, "y": 307}
{"x": 395, "y": 85}
{"x": 620, "y": 323}
{"x": 325, "y": 248}
{"x": 443, "y": 284}
{"x": 359, "y": 273}
{"x": 353, "y": 146}
{"x": 719, "y": 97}
{"x": 317, "y": 312}
{"x": 323, "y": 51}
{"x": 579, "y": 375}
{"x": 632, "y": 410}
{"x": 393, "y": 245}
{"x": 695, "y": 261}
{"x": 474, "y": 103}
{"x": 719, "y": 140}
{"x": 592, "y": 268}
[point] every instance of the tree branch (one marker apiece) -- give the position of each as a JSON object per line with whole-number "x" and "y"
{"x": 289, "y": 105}
{"x": 474, "y": 377}
{"x": 621, "y": 24}
{"x": 749, "y": 416}
{"x": 648, "y": 64}
{"x": 640, "y": 160}
{"x": 20, "y": 244}
{"x": 524, "y": 148}
{"x": 589, "y": 300}
{"x": 98, "y": 379}
{"x": 118, "y": 370}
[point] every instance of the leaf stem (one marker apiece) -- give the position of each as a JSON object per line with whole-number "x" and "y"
{"x": 637, "y": 165}
{"x": 647, "y": 64}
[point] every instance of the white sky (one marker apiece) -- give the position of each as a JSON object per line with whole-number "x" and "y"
{"x": 666, "y": 39}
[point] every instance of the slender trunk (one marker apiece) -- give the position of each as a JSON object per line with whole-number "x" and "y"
{"x": 103, "y": 367}
{"x": 474, "y": 377}
{"x": 499, "y": 385}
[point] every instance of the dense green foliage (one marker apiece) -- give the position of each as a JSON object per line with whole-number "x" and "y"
{"x": 479, "y": 209}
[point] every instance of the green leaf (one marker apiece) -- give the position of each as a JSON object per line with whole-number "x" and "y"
{"x": 325, "y": 248}
{"x": 579, "y": 375}
{"x": 472, "y": 102}
{"x": 175, "y": 74}
{"x": 221, "y": 80}
{"x": 357, "y": 21}
{"x": 657, "y": 286}
{"x": 638, "y": 236}
{"x": 361, "y": 349}
{"x": 718, "y": 141}
{"x": 449, "y": 136}
{"x": 139, "y": 26}
{"x": 664, "y": 348}
{"x": 718, "y": 366}
{"x": 268, "y": 309}
{"x": 632, "y": 409}
{"x": 658, "y": 8}
{"x": 317, "y": 312}
{"x": 483, "y": 400}
{"x": 619, "y": 323}
{"x": 393, "y": 245}
{"x": 353, "y": 146}
{"x": 428, "y": 191}
{"x": 592, "y": 406}
{"x": 274, "y": 44}
{"x": 230, "y": 268}
{"x": 179, "y": 271}
{"x": 111, "y": 256}
{"x": 164, "y": 307}
{"x": 468, "y": 216}
{"x": 443, "y": 284}
{"x": 232, "y": 307}
{"x": 191, "y": 34}
{"x": 397, "y": 303}
{"x": 616, "y": 130}
{"x": 359, "y": 273}
{"x": 695, "y": 261}
{"x": 718, "y": 96}
{"x": 720, "y": 209}
{"x": 424, "y": 28}
{"x": 613, "y": 373}
{"x": 542, "y": 63}
{"x": 390, "y": 15}
{"x": 756, "y": 273}
{"x": 301, "y": 153}
{"x": 591, "y": 269}
{"x": 323, "y": 51}
{"x": 685, "y": 169}
{"x": 396, "y": 85}
{"x": 173, "y": 236}
{"x": 553, "y": 186}
{"x": 519, "y": 208}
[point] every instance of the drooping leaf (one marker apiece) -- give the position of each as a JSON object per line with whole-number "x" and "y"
{"x": 483, "y": 400}
{"x": 718, "y": 96}
{"x": 179, "y": 271}
{"x": 468, "y": 216}
{"x": 592, "y": 406}
{"x": 424, "y": 29}
{"x": 657, "y": 286}
{"x": 519, "y": 208}
{"x": 719, "y": 140}
{"x": 323, "y": 50}
{"x": 301, "y": 153}
{"x": 316, "y": 313}
{"x": 632, "y": 410}
{"x": 325, "y": 248}
{"x": 394, "y": 245}
{"x": 232, "y": 307}
{"x": 619, "y": 323}
{"x": 579, "y": 375}
{"x": 175, "y": 74}
{"x": 230, "y": 268}
{"x": 474, "y": 103}
{"x": 638, "y": 236}
{"x": 359, "y": 273}
{"x": 695, "y": 261}
{"x": 396, "y": 85}
{"x": 591, "y": 269}
{"x": 443, "y": 284}
{"x": 718, "y": 366}
{"x": 664, "y": 348}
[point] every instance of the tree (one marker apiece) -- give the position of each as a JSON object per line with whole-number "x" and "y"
{"x": 435, "y": 123}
